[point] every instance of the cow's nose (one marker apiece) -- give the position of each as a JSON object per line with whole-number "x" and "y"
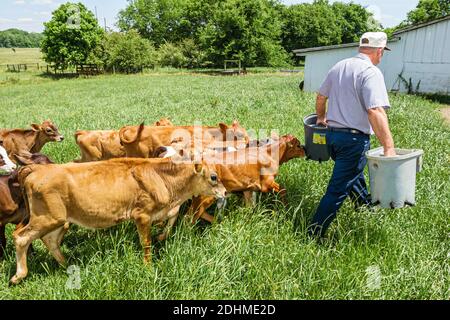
{"x": 61, "y": 138}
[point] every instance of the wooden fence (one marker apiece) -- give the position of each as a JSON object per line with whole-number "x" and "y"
{"x": 22, "y": 67}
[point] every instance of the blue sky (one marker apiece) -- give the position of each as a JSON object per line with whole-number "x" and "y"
{"x": 30, "y": 14}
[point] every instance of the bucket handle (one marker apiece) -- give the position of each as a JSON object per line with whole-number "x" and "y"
{"x": 419, "y": 163}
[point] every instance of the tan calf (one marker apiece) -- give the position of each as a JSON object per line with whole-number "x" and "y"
{"x": 104, "y": 193}
{"x": 248, "y": 177}
{"x": 142, "y": 141}
{"x": 96, "y": 145}
{"x": 28, "y": 141}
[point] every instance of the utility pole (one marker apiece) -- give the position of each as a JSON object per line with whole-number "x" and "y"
{"x": 105, "y": 24}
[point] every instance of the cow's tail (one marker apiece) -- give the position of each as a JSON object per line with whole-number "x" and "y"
{"x": 23, "y": 173}
{"x": 125, "y": 140}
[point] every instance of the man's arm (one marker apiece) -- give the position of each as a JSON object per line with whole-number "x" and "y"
{"x": 321, "y": 108}
{"x": 379, "y": 122}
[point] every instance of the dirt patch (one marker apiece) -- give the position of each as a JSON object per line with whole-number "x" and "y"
{"x": 446, "y": 114}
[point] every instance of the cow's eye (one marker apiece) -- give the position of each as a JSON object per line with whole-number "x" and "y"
{"x": 49, "y": 130}
{"x": 213, "y": 177}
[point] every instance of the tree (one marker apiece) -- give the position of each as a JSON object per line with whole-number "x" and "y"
{"x": 125, "y": 51}
{"x": 321, "y": 24}
{"x": 170, "y": 55}
{"x": 310, "y": 25}
{"x": 248, "y": 30}
{"x": 353, "y": 20}
{"x": 15, "y": 38}
{"x": 428, "y": 10}
{"x": 70, "y": 36}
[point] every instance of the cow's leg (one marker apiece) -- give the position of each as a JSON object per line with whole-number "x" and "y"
{"x": 20, "y": 226}
{"x": 2, "y": 241}
{"x": 22, "y": 240}
{"x": 173, "y": 215}
{"x": 249, "y": 198}
{"x": 199, "y": 207}
{"x": 143, "y": 223}
{"x": 52, "y": 241}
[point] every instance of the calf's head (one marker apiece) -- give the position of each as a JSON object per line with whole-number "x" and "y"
{"x": 163, "y": 122}
{"x": 6, "y": 164}
{"x": 234, "y": 133}
{"x": 48, "y": 131}
{"x": 294, "y": 149}
{"x": 208, "y": 182}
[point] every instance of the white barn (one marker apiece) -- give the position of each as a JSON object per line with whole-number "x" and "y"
{"x": 419, "y": 60}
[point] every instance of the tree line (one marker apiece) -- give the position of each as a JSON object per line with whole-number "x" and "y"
{"x": 204, "y": 33}
{"x": 15, "y": 38}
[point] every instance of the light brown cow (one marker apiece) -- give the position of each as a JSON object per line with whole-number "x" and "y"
{"x": 28, "y": 141}
{"x": 96, "y": 145}
{"x": 247, "y": 177}
{"x": 142, "y": 141}
{"x": 104, "y": 193}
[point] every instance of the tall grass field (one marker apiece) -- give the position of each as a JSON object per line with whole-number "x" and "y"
{"x": 251, "y": 253}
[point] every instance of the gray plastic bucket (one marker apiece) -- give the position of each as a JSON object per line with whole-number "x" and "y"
{"x": 393, "y": 179}
{"x": 315, "y": 140}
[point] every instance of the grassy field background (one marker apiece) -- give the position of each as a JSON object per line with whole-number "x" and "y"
{"x": 259, "y": 253}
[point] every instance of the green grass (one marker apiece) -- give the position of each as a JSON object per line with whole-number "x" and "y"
{"x": 21, "y": 55}
{"x": 260, "y": 253}
{"x": 29, "y": 56}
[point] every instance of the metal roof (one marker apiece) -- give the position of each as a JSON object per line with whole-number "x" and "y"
{"x": 421, "y": 25}
{"x": 302, "y": 52}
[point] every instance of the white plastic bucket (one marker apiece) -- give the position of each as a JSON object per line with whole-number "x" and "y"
{"x": 393, "y": 179}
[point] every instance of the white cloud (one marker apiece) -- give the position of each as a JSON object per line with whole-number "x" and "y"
{"x": 24, "y": 20}
{"x": 42, "y": 13}
{"x": 5, "y": 20}
{"x": 42, "y": 2}
{"x": 19, "y": 2}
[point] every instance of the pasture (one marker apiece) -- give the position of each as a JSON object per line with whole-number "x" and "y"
{"x": 29, "y": 56}
{"x": 257, "y": 253}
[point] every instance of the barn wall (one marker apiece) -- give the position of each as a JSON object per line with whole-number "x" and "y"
{"x": 422, "y": 55}
{"x": 426, "y": 57}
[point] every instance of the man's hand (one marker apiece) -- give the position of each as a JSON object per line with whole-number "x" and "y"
{"x": 321, "y": 103}
{"x": 389, "y": 152}
{"x": 321, "y": 121}
{"x": 379, "y": 122}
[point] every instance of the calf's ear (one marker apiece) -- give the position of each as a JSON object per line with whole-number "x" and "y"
{"x": 198, "y": 169}
{"x": 24, "y": 159}
{"x": 35, "y": 127}
{"x": 223, "y": 127}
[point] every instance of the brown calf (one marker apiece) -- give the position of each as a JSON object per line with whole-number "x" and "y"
{"x": 104, "y": 193}
{"x": 28, "y": 141}
{"x": 142, "y": 141}
{"x": 247, "y": 177}
{"x": 99, "y": 145}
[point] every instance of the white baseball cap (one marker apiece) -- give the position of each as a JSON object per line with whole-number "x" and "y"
{"x": 374, "y": 40}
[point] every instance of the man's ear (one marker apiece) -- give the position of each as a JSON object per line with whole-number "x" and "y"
{"x": 35, "y": 127}
{"x": 198, "y": 169}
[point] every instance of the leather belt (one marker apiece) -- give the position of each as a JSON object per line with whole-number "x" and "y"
{"x": 347, "y": 130}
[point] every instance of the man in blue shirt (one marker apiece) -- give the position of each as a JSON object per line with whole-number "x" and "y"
{"x": 357, "y": 99}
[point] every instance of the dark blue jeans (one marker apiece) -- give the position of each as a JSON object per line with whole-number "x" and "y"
{"x": 348, "y": 151}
